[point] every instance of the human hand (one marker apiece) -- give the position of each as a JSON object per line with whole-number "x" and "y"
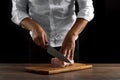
{"x": 36, "y": 31}
{"x": 39, "y": 36}
{"x": 68, "y": 46}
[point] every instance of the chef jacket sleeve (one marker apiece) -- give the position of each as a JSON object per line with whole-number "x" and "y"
{"x": 19, "y": 10}
{"x": 86, "y": 9}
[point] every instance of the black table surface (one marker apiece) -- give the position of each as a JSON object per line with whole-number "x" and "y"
{"x": 101, "y": 71}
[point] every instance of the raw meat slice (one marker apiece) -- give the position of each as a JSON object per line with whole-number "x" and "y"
{"x": 59, "y": 63}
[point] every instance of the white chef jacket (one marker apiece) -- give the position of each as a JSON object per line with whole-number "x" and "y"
{"x": 55, "y": 16}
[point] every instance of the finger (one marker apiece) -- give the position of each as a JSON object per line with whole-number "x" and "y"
{"x": 36, "y": 41}
{"x": 35, "y": 38}
{"x": 42, "y": 42}
{"x": 72, "y": 54}
{"x": 46, "y": 41}
{"x": 63, "y": 51}
{"x": 68, "y": 54}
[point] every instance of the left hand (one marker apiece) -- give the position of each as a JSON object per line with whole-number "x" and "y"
{"x": 68, "y": 46}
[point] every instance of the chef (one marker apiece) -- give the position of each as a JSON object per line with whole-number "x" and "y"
{"x": 53, "y": 22}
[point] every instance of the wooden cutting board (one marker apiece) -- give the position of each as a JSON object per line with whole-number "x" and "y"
{"x": 48, "y": 69}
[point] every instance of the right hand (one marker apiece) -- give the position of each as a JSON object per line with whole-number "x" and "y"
{"x": 39, "y": 36}
{"x": 36, "y": 31}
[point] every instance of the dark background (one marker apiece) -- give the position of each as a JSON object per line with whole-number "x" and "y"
{"x": 99, "y": 42}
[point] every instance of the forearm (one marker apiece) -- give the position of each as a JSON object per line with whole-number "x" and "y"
{"x": 29, "y": 24}
{"x": 68, "y": 45}
{"x": 78, "y": 27}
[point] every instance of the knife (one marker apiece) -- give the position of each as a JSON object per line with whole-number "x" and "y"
{"x": 57, "y": 54}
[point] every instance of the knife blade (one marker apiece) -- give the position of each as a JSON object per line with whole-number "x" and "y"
{"x": 57, "y": 54}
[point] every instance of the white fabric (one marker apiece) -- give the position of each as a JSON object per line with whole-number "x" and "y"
{"x": 56, "y": 16}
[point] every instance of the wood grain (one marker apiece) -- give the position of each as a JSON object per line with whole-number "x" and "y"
{"x": 48, "y": 69}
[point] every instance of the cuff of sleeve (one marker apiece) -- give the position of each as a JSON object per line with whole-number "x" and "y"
{"x": 18, "y": 18}
{"x": 87, "y": 16}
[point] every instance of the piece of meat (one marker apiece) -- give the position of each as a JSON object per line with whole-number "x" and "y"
{"x": 59, "y": 63}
